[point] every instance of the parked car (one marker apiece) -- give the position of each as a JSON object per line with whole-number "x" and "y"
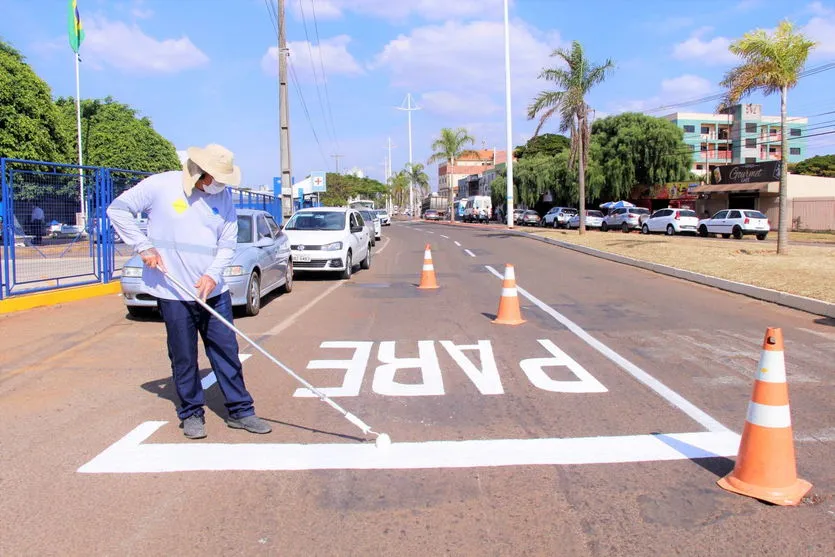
{"x": 593, "y": 219}
{"x": 736, "y": 223}
{"x": 530, "y": 218}
{"x": 385, "y": 219}
{"x": 625, "y": 219}
{"x": 329, "y": 239}
{"x": 431, "y": 214}
{"x": 558, "y": 217}
{"x": 262, "y": 263}
{"x": 671, "y": 221}
{"x": 517, "y": 215}
{"x": 374, "y": 225}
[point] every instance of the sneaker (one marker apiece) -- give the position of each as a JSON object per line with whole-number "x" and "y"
{"x": 252, "y": 424}
{"x": 194, "y": 427}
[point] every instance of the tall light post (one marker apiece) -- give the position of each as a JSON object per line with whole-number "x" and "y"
{"x": 409, "y": 109}
{"x": 508, "y": 117}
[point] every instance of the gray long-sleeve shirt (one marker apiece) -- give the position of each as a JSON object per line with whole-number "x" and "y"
{"x": 195, "y": 235}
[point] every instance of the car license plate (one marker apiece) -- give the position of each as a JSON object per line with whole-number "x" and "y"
{"x": 302, "y": 258}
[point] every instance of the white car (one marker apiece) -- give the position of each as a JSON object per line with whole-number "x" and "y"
{"x": 736, "y": 223}
{"x": 671, "y": 221}
{"x": 329, "y": 239}
{"x": 625, "y": 219}
{"x": 594, "y": 219}
{"x": 384, "y": 217}
{"x": 559, "y": 217}
{"x": 373, "y": 222}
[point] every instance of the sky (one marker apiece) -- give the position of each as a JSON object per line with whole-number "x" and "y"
{"x": 205, "y": 71}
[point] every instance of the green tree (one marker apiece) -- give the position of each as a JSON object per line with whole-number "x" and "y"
{"x": 416, "y": 173}
{"x": 821, "y": 165}
{"x": 448, "y": 147}
{"x": 547, "y": 144}
{"x": 341, "y": 187}
{"x": 114, "y": 135}
{"x": 399, "y": 189}
{"x": 569, "y": 102}
{"x": 770, "y": 64}
{"x": 30, "y": 125}
{"x": 640, "y": 149}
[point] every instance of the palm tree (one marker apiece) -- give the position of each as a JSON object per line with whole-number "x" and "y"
{"x": 569, "y": 102}
{"x": 771, "y": 63}
{"x": 418, "y": 176}
{"x": 399, "y": 187}
{"x": 448, "y": 147}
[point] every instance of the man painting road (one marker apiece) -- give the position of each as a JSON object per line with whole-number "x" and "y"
{"x": 37, "y": 223}
{"x": 192, "y": 235}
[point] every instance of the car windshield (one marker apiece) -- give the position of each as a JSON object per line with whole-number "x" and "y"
{"x": 244, "y": 229}
{"x": 317, "y": 220}
{"x": 368, "y": 215}
{"x": 639, "y": 211}
{"x": 531, "y": 213}
{"x": 571, "y": 211}
{"x": 688, "y": 213}
{"x": 755, "y": 215}
{"x": 597, "y": 214}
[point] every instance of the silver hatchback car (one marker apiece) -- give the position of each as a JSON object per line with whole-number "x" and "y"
{"x": 262, "y": 263}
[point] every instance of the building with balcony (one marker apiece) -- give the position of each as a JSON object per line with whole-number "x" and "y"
{"x": 473, "y": 163}
{"x": 739, "y": 135}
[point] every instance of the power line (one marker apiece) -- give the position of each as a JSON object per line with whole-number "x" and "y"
{"x": 324, "y": 77}
{"x": 307, "y": 112}
{"x": 313, "y": 67}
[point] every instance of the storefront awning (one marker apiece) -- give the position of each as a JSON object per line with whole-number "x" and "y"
{"x": 762, "y": 187}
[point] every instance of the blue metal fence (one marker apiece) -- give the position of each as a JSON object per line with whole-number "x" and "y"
{"x": 49, "y": 242}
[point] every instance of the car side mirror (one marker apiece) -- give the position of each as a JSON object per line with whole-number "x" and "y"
{"x": 264, "y": 242}
{"x": 356, "y": 229}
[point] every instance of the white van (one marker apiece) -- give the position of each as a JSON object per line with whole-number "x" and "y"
{"x": 479, "y": 208}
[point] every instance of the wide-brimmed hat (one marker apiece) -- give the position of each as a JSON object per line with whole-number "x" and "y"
{"x": 214, "y": 159}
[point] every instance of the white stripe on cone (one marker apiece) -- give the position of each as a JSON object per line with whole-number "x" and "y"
{"x": 764, "y": 415}
{"x": 509, "y": 292}
{"x": 427, "y": 254}
{"x": 509, "y": 273}
{"x": 771, "y": 368}
{"x": 429, "y": 267}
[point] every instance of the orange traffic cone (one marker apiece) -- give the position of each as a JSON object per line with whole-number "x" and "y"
{"x": 765, "y": 467}
{"x": 427, "y": 277}
{"x": 509, "y": 313}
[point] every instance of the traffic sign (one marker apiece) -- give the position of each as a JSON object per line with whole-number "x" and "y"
{"x": 319, "y": 180}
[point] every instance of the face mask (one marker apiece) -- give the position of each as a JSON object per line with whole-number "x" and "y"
{"x": 214, "y": 187}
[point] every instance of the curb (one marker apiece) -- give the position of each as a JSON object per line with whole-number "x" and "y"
{"x": 802, "y": 303}
{"x": 41, "y": 299}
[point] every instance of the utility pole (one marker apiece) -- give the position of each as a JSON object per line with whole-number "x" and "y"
{"x": 388, "y": 176}
{"x": 284, "y": 106}
{"x": 337, "y": 157}
{"x": 508, "y": 117}
{"x": 409, "y": 109}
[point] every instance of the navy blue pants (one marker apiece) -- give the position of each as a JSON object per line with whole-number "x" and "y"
{"x": 183, "y": 321}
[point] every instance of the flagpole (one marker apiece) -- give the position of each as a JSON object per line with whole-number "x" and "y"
{"x": 78, "y": 124}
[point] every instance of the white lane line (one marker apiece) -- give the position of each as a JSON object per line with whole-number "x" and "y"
{"x": 457, "y": 244}
{"x": 662, "y": 390}
{"x": 290, "y": 320}
{"x": 468, "y": 252}
{"x": 388, "y": 241}
{"x": 211, "y": 379}
{"x": 131, "y": 454}
{"x": 428, "y": 231}
{"x": 442, "y": 236}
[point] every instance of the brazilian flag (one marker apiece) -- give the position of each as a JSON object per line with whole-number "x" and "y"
{"x": 76, "y": 32}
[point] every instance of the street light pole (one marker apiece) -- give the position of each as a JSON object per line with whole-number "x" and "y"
{"x": 409, "y": 109}
{"x": 508, "y": 117}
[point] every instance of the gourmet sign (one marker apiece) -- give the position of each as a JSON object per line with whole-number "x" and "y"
{"x": 747, "y": 173}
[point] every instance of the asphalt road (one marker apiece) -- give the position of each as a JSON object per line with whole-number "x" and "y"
{"x": 598, "y": 427}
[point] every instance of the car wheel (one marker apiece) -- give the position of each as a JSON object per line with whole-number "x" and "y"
{"x": 139, "y": 312}
{"x": 625, "y": 228}
{"x": 737, "y": 233}
{"x": 671, "y": 231}
{"x": 366, "y": 263}
{"x": 349, "y": 267}
{"x": 761, "y": 237}
{"x": 703, "y": 231}
{"x": 253, "y": 294}
{"x": 288, "y": 278}
{"x": 645, "y": 229}
{"x": 726, "y": 236}
{"x": 604, "y": 227}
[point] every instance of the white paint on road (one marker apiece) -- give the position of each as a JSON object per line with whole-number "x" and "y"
{"x": 432, "y": 382}
{"x": 442, "y": 236}
{"x": 354, "y": 369}
{"x": 642, "y": 376}
{"x": 457, "y": 243}
{"x": 486, "y": 379}
{"x": 211, "y": 379}
{"x": 290, "y": 320}
{"x": 533, "y": 368}
{"x": 131, "y": 455}
{"x": 388, "y": 241}
{"x": 468, "y": 252}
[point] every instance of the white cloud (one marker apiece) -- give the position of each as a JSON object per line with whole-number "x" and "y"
{"x": 713, "y": 52}
{"x": 128, "y": 48}
{"x": 400, "y": 10}
{"x": 334, "y": 57}
{"x": 140, "y": 11}
{"x": 821, "y": 29}
{"x": 748, "y": 5}
{"x": 467, "y": 60}
{"x": 672, "y": 90}
{"x": 460, "y": 105}
{"x": 817, "y": 8}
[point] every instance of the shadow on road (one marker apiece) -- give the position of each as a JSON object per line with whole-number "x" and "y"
{"x": 314, "y": 430}
{"x": 164, "y": 389}
{"x": 718, "y": 465}
{"x": 828, "y": 321}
